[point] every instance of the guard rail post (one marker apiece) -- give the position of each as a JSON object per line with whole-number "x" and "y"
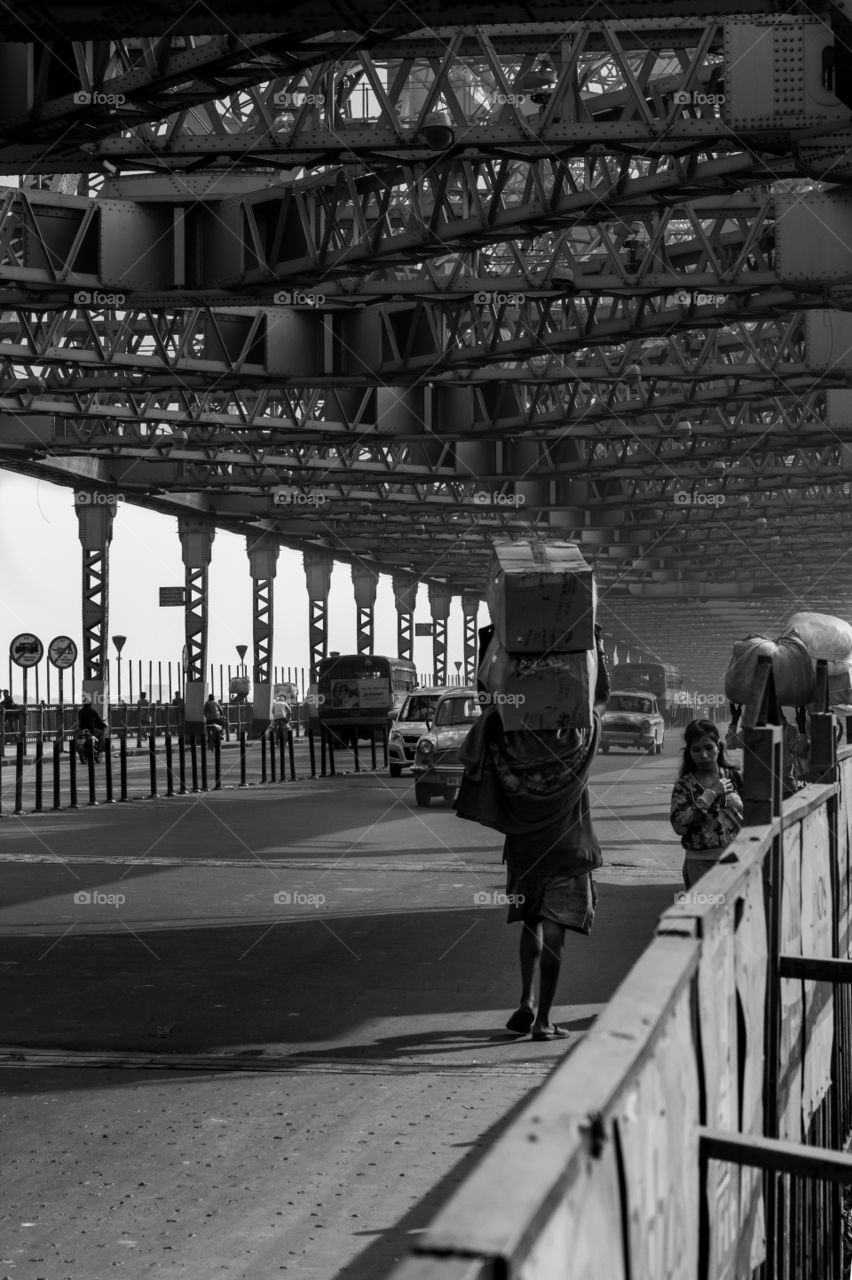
{"x": 323, "y": 748}
{"x": 90, "y": 767}
{"x": 292, "y": 755}
{"x": 272, "y": 774}
{"x": 182, "y": 763}
{"x": 39, "y": 772}
{"x": 170, "y": 777}
{"x": 331, "y": 752}
{"x": 57, "y": 761}
{"x": 152, "y": 763}
{"x": 242, "y": 757}
{"x": 19, "y": 775}
{"x": 313, "y": 755}
{"x": 385, "y": 738}
{"x": 263, "y": 757}
{"x": 355, "y": 752}
{"x": 193, "y": 759}
{"x": 373, "y": 747}
{"x": 2, "y": 733}
{"x": 204, "y": 762}
{"x": 72, "y": 772}
{"x": 217, "y": 765}
{"x": 108, "y": 768}
{"x": 122, "y": 766}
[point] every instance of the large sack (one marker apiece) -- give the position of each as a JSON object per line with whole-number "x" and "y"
{"x": 823, "y": 636}
{"x": 791, "y": 665}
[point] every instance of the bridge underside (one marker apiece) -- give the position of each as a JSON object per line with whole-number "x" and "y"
{"x": 385, "y": 294}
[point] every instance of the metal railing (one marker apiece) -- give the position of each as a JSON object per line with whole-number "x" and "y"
{"x": 698, "y": 1131}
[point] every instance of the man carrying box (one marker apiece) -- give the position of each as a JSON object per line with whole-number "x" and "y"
{"x": 532, "y": 785}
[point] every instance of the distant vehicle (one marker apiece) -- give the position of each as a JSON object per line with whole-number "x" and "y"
{"x": 415, "y": 718}
{"x": 633, "y": 720}
{"x": 362, "y": 690}
{"x": 664, "y": 681}
{"x": 437, "y": 768}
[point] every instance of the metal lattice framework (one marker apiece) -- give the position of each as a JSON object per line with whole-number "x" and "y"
{"x": 383, "y": 294}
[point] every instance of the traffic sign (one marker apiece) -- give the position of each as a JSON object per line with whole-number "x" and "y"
{"x": 62, "y": 652}
{"x": 423, "y": 628}
{"x": 26, "y": 650}
{"x": 171, "y": 595}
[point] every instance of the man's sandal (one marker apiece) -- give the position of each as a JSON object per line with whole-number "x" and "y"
{"x": 551, "y": 1033}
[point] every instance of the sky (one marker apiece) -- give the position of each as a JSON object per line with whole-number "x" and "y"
{"x": 41, "y": 591}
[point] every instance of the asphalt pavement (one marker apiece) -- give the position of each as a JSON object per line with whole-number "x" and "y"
{"x": 260, "y": 1031}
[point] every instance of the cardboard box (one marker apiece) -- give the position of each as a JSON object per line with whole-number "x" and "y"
{"x": 542, "y": 597}
{"x": 540, "y": 692}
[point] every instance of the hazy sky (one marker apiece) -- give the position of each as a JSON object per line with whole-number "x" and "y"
{"x": 41, "y": 583}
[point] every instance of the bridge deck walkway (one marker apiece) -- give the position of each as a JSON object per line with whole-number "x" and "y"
{"x": 203, "y": 1080}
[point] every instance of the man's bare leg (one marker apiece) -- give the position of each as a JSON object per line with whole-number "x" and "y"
{"x": 530, "y": 953}
{"x": 553, "y": 942}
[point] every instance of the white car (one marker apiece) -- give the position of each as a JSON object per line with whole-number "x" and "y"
{"x": 408, "y": 727}
{"x": 632, "y": 719}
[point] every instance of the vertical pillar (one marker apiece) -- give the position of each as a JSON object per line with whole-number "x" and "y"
{"x": 405, "y": 595}
{"x": 196, "y": 538}
{"x": 263, "y": 560}
{"x": 94, "y": 523}
{"x": 439, "y": 602}
{"x": 470, "y": 610}
{"x": 318, "y": 573}
{"x": 364, "y": 580}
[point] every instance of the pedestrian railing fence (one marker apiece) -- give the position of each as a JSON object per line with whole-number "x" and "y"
{"x": 699, "y": 1130}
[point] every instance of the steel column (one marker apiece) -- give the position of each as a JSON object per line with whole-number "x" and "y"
{"x": 94, "y": 523}
{"x": 196, "y": 536}
{"x": 318, "y": 573}
{"x": 439, "y": 602}
{"x": 263, "y": 559}
{"x": 365, "y": 581}
{"x": 470, "y": 611}
{"x": 405, "y": 595}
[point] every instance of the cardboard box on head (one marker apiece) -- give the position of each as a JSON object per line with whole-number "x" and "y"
{"x": 541, "y": 597}
{"x": 540, "y": 691}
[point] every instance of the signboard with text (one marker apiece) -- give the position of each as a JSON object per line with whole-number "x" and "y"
{"x": 171, "y": 596}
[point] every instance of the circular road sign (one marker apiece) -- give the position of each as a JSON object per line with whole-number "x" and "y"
{"x": 62, "y": 652}
{"x": 26, "y": 650}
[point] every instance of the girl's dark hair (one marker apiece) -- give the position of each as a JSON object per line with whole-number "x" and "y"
{"x": 700, "y": 729}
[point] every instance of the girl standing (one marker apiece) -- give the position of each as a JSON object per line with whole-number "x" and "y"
{"x": 707, "y": 806}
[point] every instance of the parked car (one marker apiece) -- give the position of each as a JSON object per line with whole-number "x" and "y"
{"x": 633, "y": 720}
{"x": 409, "y": 725}
{"x": 437, "y": 768}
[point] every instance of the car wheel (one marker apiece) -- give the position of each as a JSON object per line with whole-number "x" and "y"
{"x": 395, "y": 770}
{"x": 422, "y": 797}
{"x": 660, "y": 746}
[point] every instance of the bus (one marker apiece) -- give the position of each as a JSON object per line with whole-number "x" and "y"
{"x": 664, "y": 681}
{"x": 362, "y": 689}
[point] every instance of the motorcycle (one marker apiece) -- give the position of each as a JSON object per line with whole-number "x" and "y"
{"x": 82, "y": 738}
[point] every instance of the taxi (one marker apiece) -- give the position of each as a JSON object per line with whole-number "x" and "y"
{"x": 632, "y": 719}
{"x": 437, "y": 769}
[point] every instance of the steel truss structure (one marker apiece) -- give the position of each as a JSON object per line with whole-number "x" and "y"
{"x": 385, "y": 293}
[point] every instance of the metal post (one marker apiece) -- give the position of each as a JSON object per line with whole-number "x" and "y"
{"x": 271, "y": 738}
{"x": 312, "y": 751}
{"x": 19, "y": 776}
{"x": 203, "y": 741}
{"x": 152, "y": 761}
{"x": 170, "y": 777}
{"x": 108, "y": 768}
{"x": 182, "y": 763}
{"x": 122, "y": 765}
{"x": 39, "y": 772}
{"x": 57, "y": 758}
{"x": 72, "y": 774}
{"x": 292, "y": 755}
{"x": 217, "y": 765}
{"x": 242, "y": 758}
{"x": 263, "y": 757}
{"x": 193, "y": 756}
{"x": 90, "y": 766}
